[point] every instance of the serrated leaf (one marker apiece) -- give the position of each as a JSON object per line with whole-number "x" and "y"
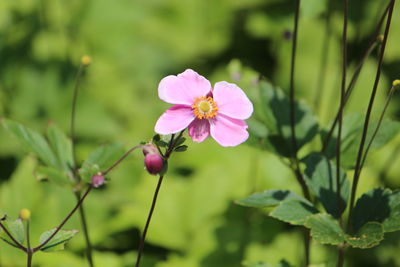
{"x": 269, "y": 198}
{"x": 276, "y": 119}
{"x": 53, "y": 175}
{"x": 32, "y": 141}
{"x": 16, "y": 229}
{"x": 58, "y": 241}
{"x": 293, "y": 211}
{"x": 370, "y": 235}
{"x": 61, "y": 146}
{"x": 325, "y": 229}
{"x": 100, "y": 159}
{"x": 180, "y": 141}
{"x": 351, "y": 135}
{"x": 378, "y": 205}
{"x": 320, "y": 175}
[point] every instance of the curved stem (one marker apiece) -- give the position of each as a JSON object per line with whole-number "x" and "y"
{"x": 85, "y": 230}
{"x": 357, "y": 170}
{"x": 115, "y": 164}
{"x": 146, "y": 227}
{"x": 58, "y": 228}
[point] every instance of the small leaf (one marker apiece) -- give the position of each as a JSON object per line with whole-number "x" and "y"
{"x": 58, "y": 241}
{"x": 16, "y": 229}
{"x": 61, "y": 145}
{"x": 320, "y": 175}
{"x": 100, "y": 159}
{"x": 293, "y": 211}
{"x": 277, "y": 120}
{"x": 370, "y": 235}
{"x": 378, "y": 205}
{"x": 156, "y": 138}
{"x": 268, "y": 198}
{"x": 32, "y": 141}
{"x": 181, "y": 148}
{"x": 325, "y": 229}
{"x": 161, "y": 143}
{"x": 180, "y": 141}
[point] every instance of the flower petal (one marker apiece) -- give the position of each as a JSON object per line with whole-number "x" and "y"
{"x": 184, "y": 88}
{"x": 232, "y": 101}
{"x": 228, "y": 131}
{"x": 199, "y": 130}
{"x": 174, "y": 119}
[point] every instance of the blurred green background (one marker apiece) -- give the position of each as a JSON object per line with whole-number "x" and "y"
{"x": 134, "y": 44}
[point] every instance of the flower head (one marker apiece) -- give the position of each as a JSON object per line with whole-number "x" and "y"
{"x": 98, "y": 180}
{"x": 219, "y": 111}
{"x": 24, "y": 214}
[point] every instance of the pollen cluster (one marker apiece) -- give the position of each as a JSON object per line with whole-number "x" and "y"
{"x": 205, "y": 107}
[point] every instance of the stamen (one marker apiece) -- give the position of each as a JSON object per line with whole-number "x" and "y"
{"x": 204, "y": 107}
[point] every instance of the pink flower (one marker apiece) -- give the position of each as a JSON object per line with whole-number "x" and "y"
{"x": 203, "y": 110}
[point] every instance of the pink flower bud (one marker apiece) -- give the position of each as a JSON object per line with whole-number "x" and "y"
{"x": 154, "y": 163}
{"x": 97, "y": 180}
{"x": 150, "y": 149}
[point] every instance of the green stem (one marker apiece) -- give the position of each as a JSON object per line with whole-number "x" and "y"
{"x": 84, "y": 224}
{"x": 357, "y": 170}
{"x": 29, "y": 259}
{"x": 374, "y": 42}
{"x": 340, "y": 260}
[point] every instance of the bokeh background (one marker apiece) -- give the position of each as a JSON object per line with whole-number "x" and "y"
{"x": 134, "y": 44}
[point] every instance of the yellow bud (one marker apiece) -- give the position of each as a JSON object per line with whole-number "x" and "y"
{"x": 24, "y": 214}
{"x": 396, "y": 83}
{"x": 380, "y": 38}
{"x": 86, "y": 60}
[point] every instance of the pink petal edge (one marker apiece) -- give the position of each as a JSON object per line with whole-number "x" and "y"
{"x": 183, "y": 88}
{"x": 174, "y": 119}
{"x": 199, "y": 130}
{"x": 232, "y": 101}
{"x": 228, "y": 131}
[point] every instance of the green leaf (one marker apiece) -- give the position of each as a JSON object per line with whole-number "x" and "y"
{"x": 32, "y": 141}
{"x": 180, "y": 141}
{"x": 58, "y": 241}
{"x": 378, "y": 205}
{"x": 353, "y": 125}
{"x": 61, "y": 146}
{"x": 53, "y": 175}
{"x": 320, "y": 175}
{"x": 276, "y": 118}
{"x": 100, "y": 159}
{"x": 370, "y": 235}
{"x": 181, "y": 148}
{"x": 161, "y": 143}
{"x": 293, "y": 211}
{"x": 16, "y": 229}
{"x": 325, "y": 229}
{"x": 269, "y": 198}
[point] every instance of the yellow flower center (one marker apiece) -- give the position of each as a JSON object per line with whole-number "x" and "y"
{"x": 204, "y": 108}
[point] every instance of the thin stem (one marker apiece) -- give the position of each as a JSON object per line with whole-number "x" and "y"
{"x": 58, "y": 228}
{"x": 389, "y": 97}
{"x": 340, "y": 260}
{"x": 89, "y": 255}
{"x": 29, "y": 259}
{"x": 357, "y": 170}
{"x": 73, "y": 112}
{"x": 115, "y": 164}
{"x": 153, "y": 204}
{"x": 374, "y": 42}
{"x": 292, "y": 77}
{"x": 324, "y": 58}
{"x": 18, "y": 244}
{"x": 341, "y": 106}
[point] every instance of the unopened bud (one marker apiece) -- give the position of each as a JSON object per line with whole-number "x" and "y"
{"x": 396, "y": 83}
{"x": 154, "y": 163}
{"x": 86, "y": 60}
{"x": 97, "y": 180}
{"x": 24, "y": 214}
{"x": 380, "y": 38}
